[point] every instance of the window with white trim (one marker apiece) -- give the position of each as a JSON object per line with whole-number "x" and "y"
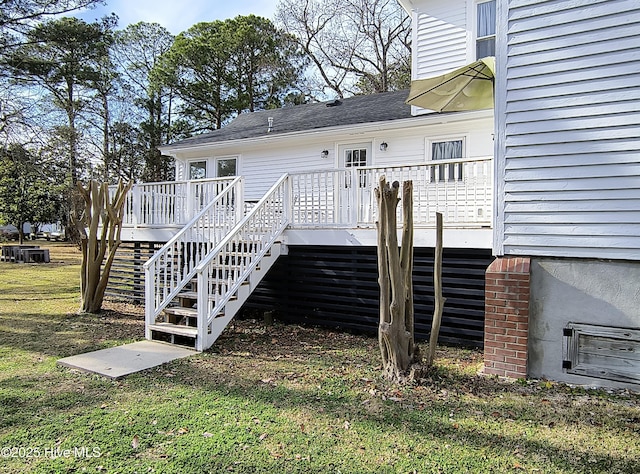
{"x": 226, "y": 166}
{"x": 485, "y": 29}
{"x": 198, "y": 169}
{"x": 452, "y": 149}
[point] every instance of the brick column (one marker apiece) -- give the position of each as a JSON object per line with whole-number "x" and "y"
{"x": 506, "y": 323}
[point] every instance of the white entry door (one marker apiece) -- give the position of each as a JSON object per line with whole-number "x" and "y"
{"x": 356, "y": 192}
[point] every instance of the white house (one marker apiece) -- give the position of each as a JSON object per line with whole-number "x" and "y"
{"x": 276, "y": 210}
{"x": 568, "y": 184}
{"x": 562, "y": 296}
{"x": 290, "y": 192}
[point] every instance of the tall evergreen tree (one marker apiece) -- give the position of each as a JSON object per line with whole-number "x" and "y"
{"x": 137, "y": 50}
{"x": 62, "y": 57}
{"x": 222, "y": 68}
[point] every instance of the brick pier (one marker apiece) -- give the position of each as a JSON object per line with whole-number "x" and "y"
{"x": 506, "y": 326}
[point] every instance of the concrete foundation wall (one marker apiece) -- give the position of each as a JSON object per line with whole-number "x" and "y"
{"x": 577, "y": 291}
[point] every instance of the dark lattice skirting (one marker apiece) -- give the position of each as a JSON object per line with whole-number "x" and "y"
{"x": 337, "y": 287}
{"x": 126, "y": 280}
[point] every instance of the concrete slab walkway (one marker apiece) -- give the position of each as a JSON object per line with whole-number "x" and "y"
{"x": 117, "y": 362}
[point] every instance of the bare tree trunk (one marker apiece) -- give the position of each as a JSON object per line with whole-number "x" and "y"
{"x": 395, "y": 266}
{"x": 437, "y": 290}
{"x": 99, "y": 228}
{"x": 406, "y": 259}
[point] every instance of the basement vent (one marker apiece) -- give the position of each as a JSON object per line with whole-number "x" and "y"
{"x": 602, "y": 352}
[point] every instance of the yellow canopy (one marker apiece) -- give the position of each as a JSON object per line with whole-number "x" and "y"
{"x": 467, "y": 88}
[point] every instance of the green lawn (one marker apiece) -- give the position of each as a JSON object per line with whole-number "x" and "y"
{"x": 279, "y": 399}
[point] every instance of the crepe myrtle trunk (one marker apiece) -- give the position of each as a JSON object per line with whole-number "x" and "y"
{"x": 395, "y": 268}
{"x": 99, "y": 227}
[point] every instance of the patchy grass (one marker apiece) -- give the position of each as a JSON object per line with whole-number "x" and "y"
{"x": 280, "y": 399}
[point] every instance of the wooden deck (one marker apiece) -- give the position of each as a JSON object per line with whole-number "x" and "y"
{"x": 340, "y": 202}
{"x": 227, "y": 245}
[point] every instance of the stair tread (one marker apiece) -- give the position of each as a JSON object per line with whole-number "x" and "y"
{"x": 181, "y": 311}
{"x": 174, "y": 329}
{"x": 192, "y": 295}
{"x": 234, "y": 261}
{"x": 188, "y": 294}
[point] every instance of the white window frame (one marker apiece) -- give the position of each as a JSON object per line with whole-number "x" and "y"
{"x": 447, "y": 138}
{"x": 207, "y": 171}
{"x": 226, "y": 157}
{"x": 465, "y": 153}
{"x": 476, "y": 37}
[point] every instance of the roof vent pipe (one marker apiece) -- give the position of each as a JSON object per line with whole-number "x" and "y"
{"x": 270, "y": 119}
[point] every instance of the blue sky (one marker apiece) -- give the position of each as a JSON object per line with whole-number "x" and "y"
{"x": 177, "y": 16}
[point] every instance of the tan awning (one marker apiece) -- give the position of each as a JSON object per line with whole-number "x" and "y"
{"x": 467, "y": 88}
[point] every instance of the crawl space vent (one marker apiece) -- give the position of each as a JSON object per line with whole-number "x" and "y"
{"x": 602, "y": 351}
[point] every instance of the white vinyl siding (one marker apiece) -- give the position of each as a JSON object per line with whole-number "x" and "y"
{"x": 263, "y": 162}
{"x": 440, "y": 38}
{"x": 568, "y": 129}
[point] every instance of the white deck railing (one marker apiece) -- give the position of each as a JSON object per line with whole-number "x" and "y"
{"x": 460, "y": 189}
{"x": 173, "y": 266}
{"x": 230, "y": 263}
{"x": 225, "y": 241}
{"x": 172, "y": 203}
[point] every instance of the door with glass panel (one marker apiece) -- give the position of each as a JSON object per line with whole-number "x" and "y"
{"x": 447, "y": 185}
{"x": 197, "y": 171}
{"x": 355, "y": 197}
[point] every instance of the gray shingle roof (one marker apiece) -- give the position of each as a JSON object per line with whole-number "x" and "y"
{"x": 350, "y": 111}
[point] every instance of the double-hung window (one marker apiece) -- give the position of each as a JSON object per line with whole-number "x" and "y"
{"x": 226, "y": 166}
{"x": 447, "y": 150}
{"x": 198, "y": 169}
{"x": 485, "y": 29}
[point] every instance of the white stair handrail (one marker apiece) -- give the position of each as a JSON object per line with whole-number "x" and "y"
{"x": 173, "y": 265}
{"x": 231, "y": 262}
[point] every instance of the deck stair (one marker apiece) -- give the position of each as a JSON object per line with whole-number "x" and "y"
{"x": 192, "y": 306}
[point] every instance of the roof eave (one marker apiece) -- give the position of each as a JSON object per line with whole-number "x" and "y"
{"x": 407, "y": 5}
{"x": 414, "y": 121}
